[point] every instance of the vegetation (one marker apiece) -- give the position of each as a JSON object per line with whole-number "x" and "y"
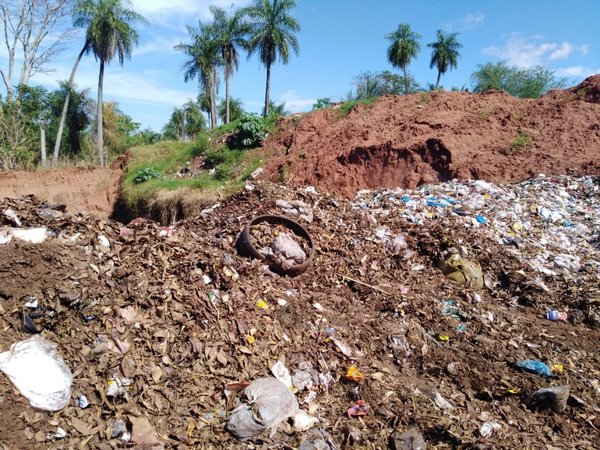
{"x": 370, "y": 85}
{"x": 404, "y": 47}
{"x": 272, "y": 31}
{"x": 230, "y": 34}
{"x": 444, "y": 55}
{"x": 110, "y": 33}
{"x": 155, "y": 168}
{"x": 520, "y": 82}
{"x": 522, "y": 142}
{"x": 322, "y": 103}
{"x": 236, "y": 109}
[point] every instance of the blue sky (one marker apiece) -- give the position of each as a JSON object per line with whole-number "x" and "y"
{"x": 339, "y": 39}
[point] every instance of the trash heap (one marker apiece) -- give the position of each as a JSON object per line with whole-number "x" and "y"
{"x": 460, "y": 315}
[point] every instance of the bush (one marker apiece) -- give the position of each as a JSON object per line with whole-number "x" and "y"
{"x": 251, "y": 130}
{"x": 200, "y": 145}
{"x": 144, "y": 174}
{"x": 322, "y": 103}
{"x": 522, "y": 142}
{"x": 532, "y": 82}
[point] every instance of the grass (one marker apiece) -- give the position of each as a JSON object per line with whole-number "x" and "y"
{"x": 232, "y": 168}
{"x": 522, "y": 142}
{"x": 346, "y": 107}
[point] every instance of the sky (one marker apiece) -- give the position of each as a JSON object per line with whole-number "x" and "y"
{"x": 340, "y": 39}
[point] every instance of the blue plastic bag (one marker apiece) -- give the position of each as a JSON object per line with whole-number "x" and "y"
{"x": 531, "y": 365}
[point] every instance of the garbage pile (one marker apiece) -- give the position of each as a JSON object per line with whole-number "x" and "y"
{"x": 464, "y": 314}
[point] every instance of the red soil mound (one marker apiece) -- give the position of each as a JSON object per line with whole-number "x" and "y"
{"x": 408, "y": 141}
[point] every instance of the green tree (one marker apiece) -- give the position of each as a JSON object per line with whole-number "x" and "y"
{"x": 78, "y": 21}
{"x": 235, "y": 109}
{"x": 231, "y": 31}
{"x": 185, "y": 123}
{"x": 204, "y": 57}
{"x": 530, "y": 82}
{"x": 444, "y": 55}
{"x": 272, "y": 31}
{"x": 110, "y": 34}
{"x": 404, "y": 47}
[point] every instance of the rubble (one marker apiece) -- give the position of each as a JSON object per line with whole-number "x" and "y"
{"x": 156, "y": 326}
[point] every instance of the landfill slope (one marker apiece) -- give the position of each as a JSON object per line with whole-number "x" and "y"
{"x": 155, "y": 321}
{"x": 94, "y": 190}
{"x": 411, "y": 140}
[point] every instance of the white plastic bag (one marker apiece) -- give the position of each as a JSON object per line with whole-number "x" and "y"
{"x": 266, "y": 403}
{"x": 289, "y": 248}
{"x": 38, "y": 372}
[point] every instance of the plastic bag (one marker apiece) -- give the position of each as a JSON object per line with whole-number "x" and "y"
{"x": 266, "y": 402}
{"x": 289, "y": 248}
{"x": 38, "y": 372}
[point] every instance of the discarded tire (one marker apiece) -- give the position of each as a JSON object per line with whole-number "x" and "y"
{"x": 246, "y": 247}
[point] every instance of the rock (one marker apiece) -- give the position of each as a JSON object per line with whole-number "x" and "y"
{"x": 554, "y": 398}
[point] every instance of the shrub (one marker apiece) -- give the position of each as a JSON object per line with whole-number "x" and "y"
{"x": 144, "y": 174}
{"x": 322, "y": 103}
{"x": 251, "y": 130}
{"x": 200, "y": 145}
{"x": 522, "y": 142}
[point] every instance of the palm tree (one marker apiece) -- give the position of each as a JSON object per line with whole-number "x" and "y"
{"x": 272, "y": 34}
{"x": 235, "y": 109}
{"x": 204, "y": 59}
{"x": 404, "y": 47}
{"x": 445, "y": 53}
{"x": 110, "y": 33}
{"x": 69, "y": 88}
{"x": 230, "y": 33}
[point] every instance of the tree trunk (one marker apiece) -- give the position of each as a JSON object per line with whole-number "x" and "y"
{"x": 212, "y": 101}
{"x": 267, "y": 89}
{"x": 405, "y": 81}
{"x": 63, "y": 115}
{"x": 43, "y": 143}
{"x": 437, "y": 83}
{"x": 226, "y": 74}
{"x": 99, "y": 117}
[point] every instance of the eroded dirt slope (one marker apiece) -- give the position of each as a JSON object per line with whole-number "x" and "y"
{"x": 408, "y": 141}
{"x": 82, "y": 189}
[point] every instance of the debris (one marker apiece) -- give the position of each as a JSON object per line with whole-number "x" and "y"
{"x": 355, "y": 375}
{"x": 265, "y": 403}
{"x": 534, "y": 366}
{"x": 408, "y": 440}
{"x": 556, "y": 315}
{"x": 488, "y": 428}
{"x": 282, "y": 373}
{"x": 360, "y": 408}
{"x": 143, "y": 433}
{"x": 554, "y": 398}
{"x": 39, "y": 373}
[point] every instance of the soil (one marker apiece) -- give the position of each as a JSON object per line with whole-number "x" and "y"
{"x": 92, "y": 190}
{"x": 409, "y": 141}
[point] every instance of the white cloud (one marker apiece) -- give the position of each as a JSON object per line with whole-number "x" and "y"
{"x": 176, "y": 12}
{"x": 561, "y": 52}
{"x": 577, "y": 71}
{"x": 466, "y": 23}
{"x": 158, "y": 44}
{"x": 124, "y": 86}
{"x": 472, "y": 20}
{"x": 522, "y": 51}
{"x": 294, "y": 103}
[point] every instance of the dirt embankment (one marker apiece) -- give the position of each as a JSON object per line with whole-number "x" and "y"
{"x": 407, "y": 141}
{"x": 82, "y": 189}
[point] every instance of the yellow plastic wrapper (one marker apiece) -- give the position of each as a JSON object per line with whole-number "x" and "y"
{"x": 354, "y": 374}
{"x": 262, "y": 304}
